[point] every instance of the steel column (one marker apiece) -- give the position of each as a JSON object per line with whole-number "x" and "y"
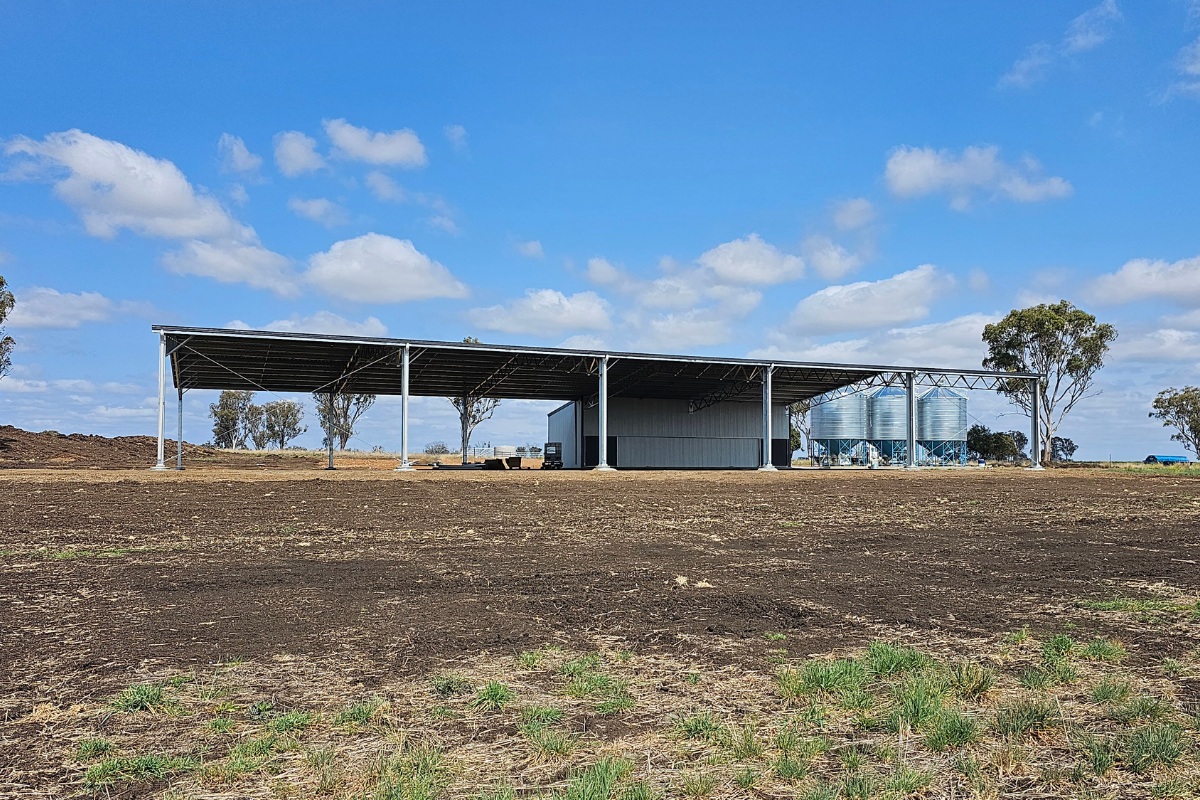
{"x": 329, "y": 433}
{"x": 1035, "y": 424}
{"x": 162, "y": 401}
{"x": 910, "y": 386}
{"x": 602, "y": 414}
{"x": 767, "y": 466}
{"x": 179, "y": 437}
{"x": 404, "y": 465}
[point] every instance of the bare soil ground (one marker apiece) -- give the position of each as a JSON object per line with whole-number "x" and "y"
{"x": 311, "y": 591}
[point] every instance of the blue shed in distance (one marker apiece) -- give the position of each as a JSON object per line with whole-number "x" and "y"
{"x": 1167, "y": 460}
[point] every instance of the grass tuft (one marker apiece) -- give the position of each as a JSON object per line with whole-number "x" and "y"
{"x": 93, "y": 748}
{"x": 1101, "y": 649}
{"x": 447, "y": 686}
{"x": 493, "y": 697}
{"x": 359, "y": 713}
{"x": 1024, "y": 717}
{"x": 889, "y": 659}
{"x": 1156, "y": 744}
{"x": 137, "y": 768}
{"x": 951, "y": 729}
{"x": 971, "y": 680}
{"x": 143, "y": 697}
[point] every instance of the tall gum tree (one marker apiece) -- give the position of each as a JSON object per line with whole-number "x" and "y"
{"x": 1064, "y": 343}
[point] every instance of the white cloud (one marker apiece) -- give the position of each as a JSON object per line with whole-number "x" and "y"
{"x": 751, "y": 261}
{"x": 601, "y": 271}
{"x": 319, "y": 209}
{"x": 905, "y": 297}
{"x": 920, "y": 171}
{"x": 325, "y": 322}
{"x": 1092, "y": 28}
{"x": 384, "y": 188}
{"x": 1162, "y": 346}
{"x": 444, "y": 223}
{"x": 1188, "y": 64}
{"x": 296, "y": 153}
{"x": 955, "y": 343}
{"x": 979, "y": 281}
{"x": 457, "y": 136}
{"x": 43, "y": 307}
{"x": 850, "y": 215}
{"x": 238, "y": 194}
{"x": 679, "y": 331}
{"x": 531, "y": 249}
{"x": 115, "y": 187}
{"x": 1086, "y": 32}
{"x": 583, "y": 341}
{"x": 399, "y": 148}
{"x": 1029, "y": 68}
{"x": 235, "y": 156}
{"x": 546, "y": 312}
{"x": 1143, "y": 278}
{"x": 374, "y": 268}
{"x": 830, "y": 259}
{"x": 234, "y": 262}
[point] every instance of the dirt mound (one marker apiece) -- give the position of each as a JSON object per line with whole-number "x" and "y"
{"x": 20, "y": 449}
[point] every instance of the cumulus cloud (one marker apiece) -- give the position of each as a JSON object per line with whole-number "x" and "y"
{"x": 399, "y": 148}
{"x": 531, "y": 249}
{"x": 955, "y": 343}
{"x": 319, "y": 209}
{"x": 546, "y": 312}
{"x": 830, "y": 259}
{"x": 374, "y": 268}
{"x": 114, "y": 187}
{"x": 43, "y": 307}
{"x": 751, "y": 261}
{"x": 921, "y": 171}
{"x": 850, "y": 215}
{"x": 235, "y": 156}
{"x": 234, "y": 262}
{"x": 1143, "y": 279}
{"x": 444, "y": 223}
{"x": 905, "y": 297}
{"x": 457, "y": 136}
{"x": 1085, "y": 32}
{"x": 323, "y": 322}
{"x": 296, "y": 154}
{"x": 679, "y": 331}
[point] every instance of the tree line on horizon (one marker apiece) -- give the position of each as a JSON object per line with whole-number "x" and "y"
{"x": 1058, "y": 340}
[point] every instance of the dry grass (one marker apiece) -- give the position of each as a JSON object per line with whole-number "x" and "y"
{"x": 913, "y": 719}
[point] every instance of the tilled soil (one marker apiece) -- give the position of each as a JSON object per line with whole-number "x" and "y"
{"x": 108, "y": 577}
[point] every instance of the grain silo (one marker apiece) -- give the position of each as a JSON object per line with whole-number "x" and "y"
{"x": 888, "y": 430}
{"x": 839, "y": 429}
{"x": 942, "y": 426}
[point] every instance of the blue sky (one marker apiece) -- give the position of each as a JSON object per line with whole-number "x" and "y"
{"x": 845, "y": 182}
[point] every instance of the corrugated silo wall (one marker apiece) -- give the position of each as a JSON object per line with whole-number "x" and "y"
{"x": 563, "y": 426}
{"x": 661, "y": 433}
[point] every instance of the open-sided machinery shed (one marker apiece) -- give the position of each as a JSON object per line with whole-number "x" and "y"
{"x": 216, "y": 358}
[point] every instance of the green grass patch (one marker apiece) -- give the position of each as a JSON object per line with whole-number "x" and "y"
{"x": 493, "y": 697}
{"x": 541, "y": 715}
{"x": 596, "y": 782}
{"x": 447, "y": 686}
{"x": 702, "y": 726}
{"x": 1129, "y": 604}
{"x": 132, "y": 769}
{"x": 1138, "y": 709}
{"x": 222, "y": 725}
{"x": 577, "y": 667}
{"x": 1101, "y": 649}
{"x": 418, "y": 773}
{"x": 830, "y": 677}
{"x": 546, "y": 741}
{"x": 359, "y": 713}
{"x": 1024, "y": 717}
{"x": 1153, "y": 745}
{"x": 970, "y": 680}
{"x": 1111, "y": 690}
{"x": 87, "y": 749}
{"x": 950, "y": 729}
{"x": 908, "y": 781}
{"x": 291, "y": 722}
{"x": 889, "y": 659}
{"x": 530, "y": 659}
{"x": 918, "y": 700}
{"x": 149, "y": 697}
{"x": 745, "y": 743}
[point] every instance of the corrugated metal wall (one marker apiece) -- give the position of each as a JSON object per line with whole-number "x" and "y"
{"x": 562, "y": 428}
{"x": 661, "y": 433}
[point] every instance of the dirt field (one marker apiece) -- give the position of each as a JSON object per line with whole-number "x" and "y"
{"x": 315, "y": 589}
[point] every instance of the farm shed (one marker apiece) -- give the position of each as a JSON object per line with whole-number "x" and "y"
{"x": 664, "y": 410}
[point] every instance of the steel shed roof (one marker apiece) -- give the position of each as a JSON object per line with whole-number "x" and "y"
{"x": 218, "y": 358}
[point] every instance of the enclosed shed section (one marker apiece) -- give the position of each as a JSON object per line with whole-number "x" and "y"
{"x": 656, "y": 433}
